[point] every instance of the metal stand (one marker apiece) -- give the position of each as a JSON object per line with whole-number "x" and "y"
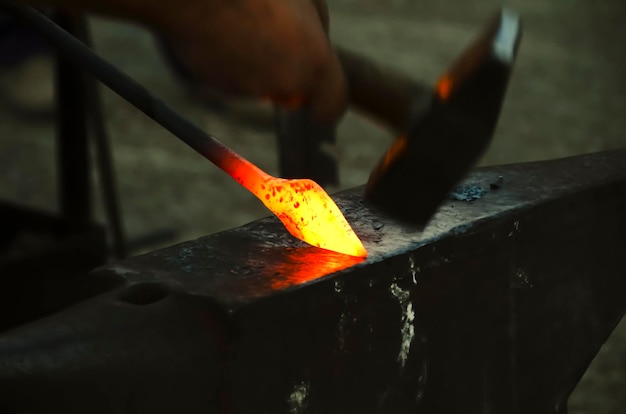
{"x": 79, "y": 109}
{"x": 44, "y": 257}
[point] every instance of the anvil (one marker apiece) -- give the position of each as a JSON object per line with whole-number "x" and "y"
{"x": 498, "y": 305}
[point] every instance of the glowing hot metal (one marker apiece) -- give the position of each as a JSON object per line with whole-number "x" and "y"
{"x": 302, "y": 205}
{"x": 304, "y": 208}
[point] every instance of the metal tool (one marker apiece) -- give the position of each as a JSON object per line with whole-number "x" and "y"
{"x": 305, "y": 209}
{"x": 438, "y": 147}
{"x": 499, "y": 306}
{"x": 442, "y": 130}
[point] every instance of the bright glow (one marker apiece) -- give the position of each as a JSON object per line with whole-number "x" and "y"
{"x": 304, "y": 208}
{"x": 307, "y": 264}
{"x": 444, "y": 87}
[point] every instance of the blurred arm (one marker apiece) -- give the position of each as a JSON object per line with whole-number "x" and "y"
{"x": 274, "y": 49}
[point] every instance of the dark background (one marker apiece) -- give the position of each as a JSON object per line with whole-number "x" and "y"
{"x": 567, "y": 96}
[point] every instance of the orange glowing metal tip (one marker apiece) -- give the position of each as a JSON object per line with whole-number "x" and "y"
{"x": 304, "y": 208}
{"x": 302, "y": 205}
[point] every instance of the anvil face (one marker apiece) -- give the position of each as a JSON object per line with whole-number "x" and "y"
{"x": 500, "y": 302}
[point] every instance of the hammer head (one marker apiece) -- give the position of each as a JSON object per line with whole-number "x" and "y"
{"x": 444, "y": 142}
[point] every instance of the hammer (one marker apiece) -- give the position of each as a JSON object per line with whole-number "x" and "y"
{"x": 441, "y": 130}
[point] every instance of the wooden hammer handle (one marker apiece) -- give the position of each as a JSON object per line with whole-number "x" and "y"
{"x": 382, "y": 93}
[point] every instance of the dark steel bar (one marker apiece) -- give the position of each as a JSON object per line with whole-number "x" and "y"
{"x": 74, "y": 178}
{"x": 499, "y": 305}
{"x": 300, "y": 147}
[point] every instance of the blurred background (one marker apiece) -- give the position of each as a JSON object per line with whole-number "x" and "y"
{"x": 567, "y": 96}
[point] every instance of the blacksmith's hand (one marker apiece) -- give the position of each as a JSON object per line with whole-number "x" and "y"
{"x": 271, "y": 49}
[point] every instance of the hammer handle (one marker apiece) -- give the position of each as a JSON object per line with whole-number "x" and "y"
{"x": 382, "y": 93}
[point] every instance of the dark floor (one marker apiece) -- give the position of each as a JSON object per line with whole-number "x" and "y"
{"x": 567, "y": 96}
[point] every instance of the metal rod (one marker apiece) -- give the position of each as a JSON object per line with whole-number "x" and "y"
{"x": 74, "y": 186}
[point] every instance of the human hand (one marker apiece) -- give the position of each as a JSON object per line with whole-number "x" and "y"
{"x": 274, "y": 49}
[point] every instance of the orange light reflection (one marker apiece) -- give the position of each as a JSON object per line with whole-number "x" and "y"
{"x": 306, "y": 265}
{"x": 444, "y": 87}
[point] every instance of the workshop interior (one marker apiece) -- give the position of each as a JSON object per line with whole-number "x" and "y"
{"x": 454, "y": 244}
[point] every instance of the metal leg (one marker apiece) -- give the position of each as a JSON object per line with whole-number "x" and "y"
{"x": 80, "y": 111}
{"x": 103, "y": 152}
{"x": 72, "y": 146}
{"x": 300, "y": 153}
